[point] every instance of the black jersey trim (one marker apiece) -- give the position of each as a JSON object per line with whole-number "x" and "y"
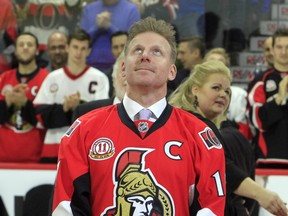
{"x": 157, "y": 124}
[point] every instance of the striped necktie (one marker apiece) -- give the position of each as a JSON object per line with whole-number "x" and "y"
{"x": 145, "y": 114}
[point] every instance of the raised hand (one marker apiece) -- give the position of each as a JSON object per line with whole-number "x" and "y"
{"x": 71, "y": 101}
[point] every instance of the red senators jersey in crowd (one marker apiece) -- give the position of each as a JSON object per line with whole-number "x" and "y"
{"x": 44, "y": 17}
{"x": 20, "y": 139}
{"x": 269, "y": 119}
{"x": 107, "y": 168}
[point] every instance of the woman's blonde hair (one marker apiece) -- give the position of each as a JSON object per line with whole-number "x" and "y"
{"x": 220, "y": 51}
{"x": 183, "y": 97}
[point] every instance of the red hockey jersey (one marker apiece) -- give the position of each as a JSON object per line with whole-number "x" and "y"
{"x": 107, "y": 168}
{"x": 19, "y": 140}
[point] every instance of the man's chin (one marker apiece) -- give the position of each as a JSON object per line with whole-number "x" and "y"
{"x": 25, "y": 62}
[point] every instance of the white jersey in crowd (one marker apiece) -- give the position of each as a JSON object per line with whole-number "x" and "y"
{"x": 92, "y": 84}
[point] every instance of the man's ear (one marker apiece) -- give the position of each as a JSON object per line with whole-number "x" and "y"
{"x": 196, "y": 52}
{"x": 88, "y": 51}
{"x": 172, "y": 72}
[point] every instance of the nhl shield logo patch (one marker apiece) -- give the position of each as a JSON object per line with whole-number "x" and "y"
{"x": 143, "y": 127}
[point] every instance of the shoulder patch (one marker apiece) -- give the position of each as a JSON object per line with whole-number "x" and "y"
{"x": 54, "y": 87}
{"x": 209, "y": 139}
{"x": 72, "y": 128}
{"x": 271, "y": 85}
{"x": 102, "y": 149}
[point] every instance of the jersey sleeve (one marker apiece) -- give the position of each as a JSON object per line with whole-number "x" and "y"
{"x": 234, "y": 176}
{"x": 72, "y": 186}
{"x": 44, "y": 96}
{"x": 4, "y": 112}
{"x": 48, "y": 113}
{"x": 256, "y": 99}
{"x": 263, "y": 112}
{"x": 210, "y": 165}
{"x": 103, "y": 92}
{"x": 29, "y": 114}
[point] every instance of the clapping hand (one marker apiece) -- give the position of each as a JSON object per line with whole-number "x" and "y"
{"x": 71, "y": 101}
{"x": 282, "y": 94}
{"x": 103, "y": 20}
{"x": 17, "y": 95}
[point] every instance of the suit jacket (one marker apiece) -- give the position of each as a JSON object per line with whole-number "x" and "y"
{"x": 91, "y": 105}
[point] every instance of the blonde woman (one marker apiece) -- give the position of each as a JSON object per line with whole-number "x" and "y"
{"x": 206, "y": 94}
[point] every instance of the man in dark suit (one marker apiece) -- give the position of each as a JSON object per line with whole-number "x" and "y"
{"x": 119, "y": 84}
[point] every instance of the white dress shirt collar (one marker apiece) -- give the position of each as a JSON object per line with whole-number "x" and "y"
{"x": 116, "y": 100}
{"x": 132, "y": 107}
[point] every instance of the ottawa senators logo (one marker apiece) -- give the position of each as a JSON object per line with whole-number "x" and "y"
{"x": 209, "y": 139}
{"x": 136, "y": 190}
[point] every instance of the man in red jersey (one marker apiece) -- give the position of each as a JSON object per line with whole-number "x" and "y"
{"x": 21, "y": 140}
{"x": 113, "y": 163}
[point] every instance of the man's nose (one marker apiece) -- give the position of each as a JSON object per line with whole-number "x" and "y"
{"x": 145, "y": 56}
{"x": 57, "y": 50}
